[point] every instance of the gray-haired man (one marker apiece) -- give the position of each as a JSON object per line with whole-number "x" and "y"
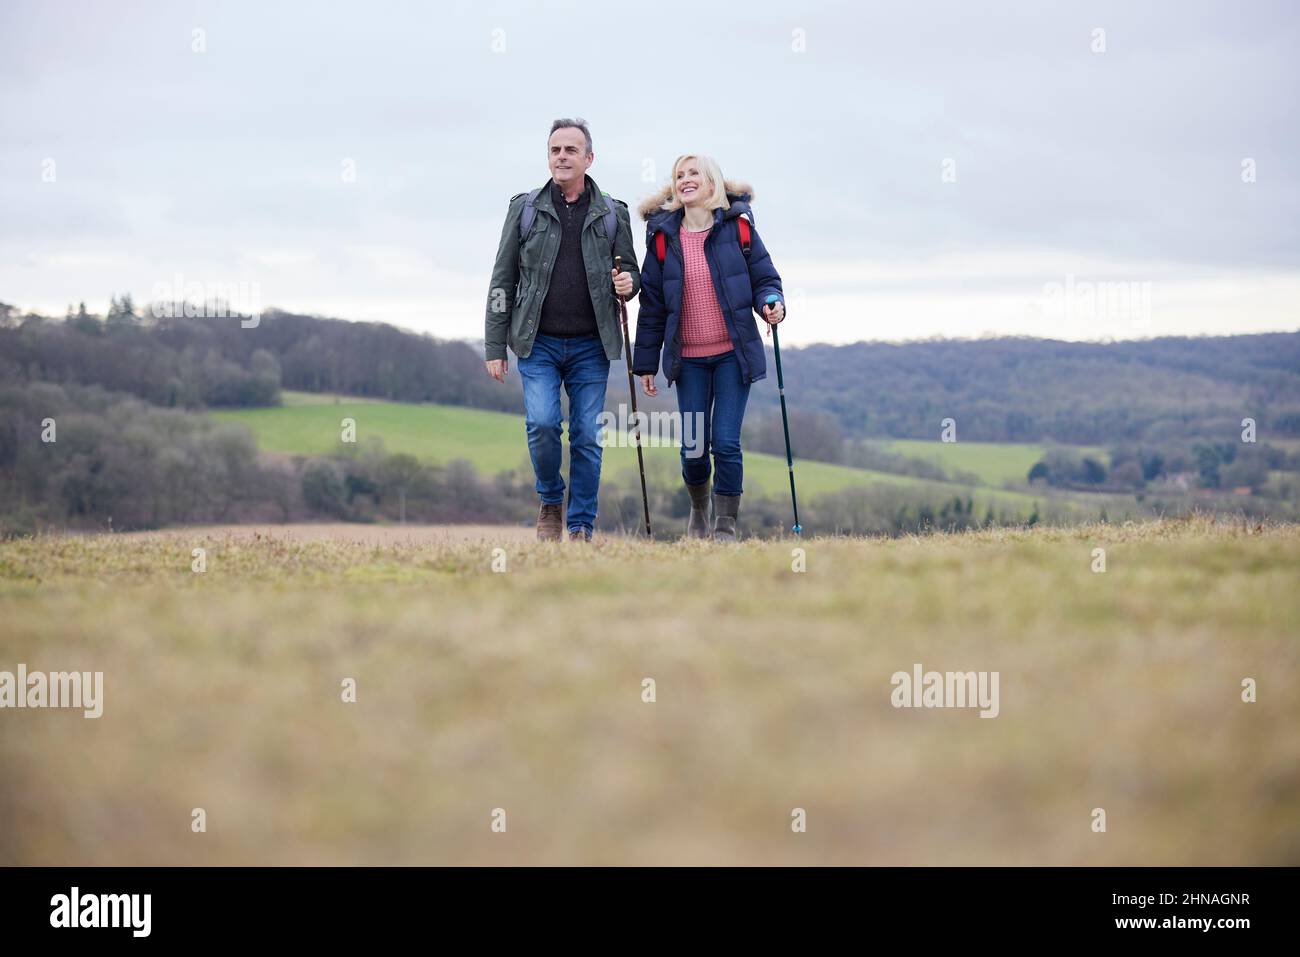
{"x": 553, "y": 301}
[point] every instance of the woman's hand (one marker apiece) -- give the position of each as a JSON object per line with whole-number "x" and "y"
{"x": 648, "y": 385}
{"x": 774, "y": 313}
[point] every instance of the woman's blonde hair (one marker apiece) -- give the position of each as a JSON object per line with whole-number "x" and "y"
{"x": 717, "y": 197}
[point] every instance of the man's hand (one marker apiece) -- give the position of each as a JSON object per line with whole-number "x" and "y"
{"x": 648, "y": 385}
{"x": 497, "y": 368}
{"x": 622, "y": 283}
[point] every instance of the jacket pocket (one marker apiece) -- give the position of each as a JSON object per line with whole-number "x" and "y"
{"x": 522, "y": 299}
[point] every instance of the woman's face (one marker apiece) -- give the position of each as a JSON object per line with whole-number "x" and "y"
{"x": 690, "y": 185}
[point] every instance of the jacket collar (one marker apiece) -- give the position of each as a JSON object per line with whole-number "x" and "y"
{"x": 670, "y": 221}
{"x": 598, "y": 201}
{"x": 739, "y": 193}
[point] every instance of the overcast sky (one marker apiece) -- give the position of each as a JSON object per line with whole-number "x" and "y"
{"x": 1072, "y": 170}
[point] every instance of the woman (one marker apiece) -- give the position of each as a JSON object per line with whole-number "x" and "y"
{"x": 706, "y": 273}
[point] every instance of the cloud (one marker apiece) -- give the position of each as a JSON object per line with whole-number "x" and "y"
{"x": 1126, "y": 163}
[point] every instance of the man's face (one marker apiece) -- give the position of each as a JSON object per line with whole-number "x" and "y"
{"x": 568, "y": 157}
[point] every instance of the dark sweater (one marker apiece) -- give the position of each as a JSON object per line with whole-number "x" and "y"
{"x": 567, "y": 309}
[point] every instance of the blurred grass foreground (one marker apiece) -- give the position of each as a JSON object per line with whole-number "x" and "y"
{"x": 500, "y": 680}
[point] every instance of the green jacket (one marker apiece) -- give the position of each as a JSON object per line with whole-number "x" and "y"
{"x": 522, "y": 273}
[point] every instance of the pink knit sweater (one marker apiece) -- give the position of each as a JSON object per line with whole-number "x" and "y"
{"x": 704, "y": 333}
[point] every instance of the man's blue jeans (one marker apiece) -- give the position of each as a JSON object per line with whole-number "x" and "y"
{"x": 712, "y": 388}
{"x": 579, "y": 364}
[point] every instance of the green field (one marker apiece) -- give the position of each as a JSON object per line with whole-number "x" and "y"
{"x": 523, "y": 690}
{"x": 309, "y": 424}
{"x": 994, "y": 462}
{"x": 494, "y": 442}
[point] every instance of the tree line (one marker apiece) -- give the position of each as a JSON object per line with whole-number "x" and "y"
{"x": 1012, "y": 389}
{"x": 118, "y": 387}
{"x": 181, "y": 361}
{"x": 1037, "y": 390}
{"x": 80, "y": 457}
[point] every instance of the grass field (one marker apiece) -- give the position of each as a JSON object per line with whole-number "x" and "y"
{"x": 993, "y": 462}
{"x": 493, "y": 442}
{"x": 522, "y": 690}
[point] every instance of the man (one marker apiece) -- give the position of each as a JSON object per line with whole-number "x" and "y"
{"x": 553, "y": 301}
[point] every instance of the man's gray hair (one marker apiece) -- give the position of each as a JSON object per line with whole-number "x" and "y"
{"x": 577, "y": 123}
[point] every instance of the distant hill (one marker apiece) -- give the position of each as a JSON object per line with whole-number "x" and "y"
{"x": 1031, "y": 390}
{"x": 996, "y": 390}
{"x": 1046, "y": 430}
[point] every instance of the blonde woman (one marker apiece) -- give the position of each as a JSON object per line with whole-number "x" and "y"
{"x": 706, "y": 274}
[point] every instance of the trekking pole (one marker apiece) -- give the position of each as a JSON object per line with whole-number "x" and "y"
{"x": 631, "y": 388}
{"x": 785, "y": 419}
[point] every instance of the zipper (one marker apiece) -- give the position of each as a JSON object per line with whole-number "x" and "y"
{"x": 543, "y": 284}
{"x": 675, "y": 246}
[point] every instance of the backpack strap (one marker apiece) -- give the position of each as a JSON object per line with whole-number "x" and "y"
{"x": 611, "y": 222}
{"x": 529, "y": 215}
{"x": 742, "y": 225}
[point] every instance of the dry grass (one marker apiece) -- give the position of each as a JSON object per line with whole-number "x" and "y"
{"x": 522, "y": 690}
{"x": 345, "y": 532}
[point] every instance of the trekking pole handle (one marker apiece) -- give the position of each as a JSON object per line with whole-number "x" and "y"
{"x": 769, "y": 302}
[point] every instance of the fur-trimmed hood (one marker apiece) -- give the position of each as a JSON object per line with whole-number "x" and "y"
{"x": 738, "y": 192}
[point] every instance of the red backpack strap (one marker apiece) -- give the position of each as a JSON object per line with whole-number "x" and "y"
{"x": 661, "y": 249}
{"x": 743, "y": 225}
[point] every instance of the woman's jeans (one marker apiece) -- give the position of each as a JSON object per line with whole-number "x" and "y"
{"x": 711, "y": 390}
{"x": 579, "y": 364}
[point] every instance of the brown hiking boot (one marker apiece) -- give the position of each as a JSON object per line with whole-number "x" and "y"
{"x": 579, "y": 535}
{"x": 550, "y": 521}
